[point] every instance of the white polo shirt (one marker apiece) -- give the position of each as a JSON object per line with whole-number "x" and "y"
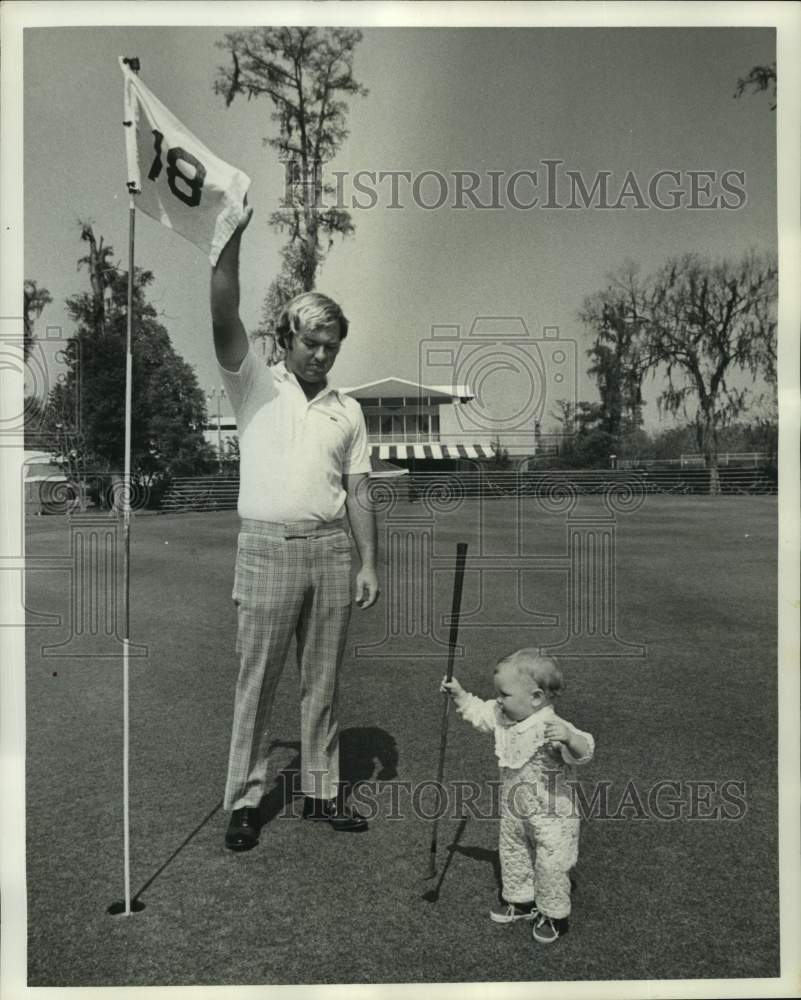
{"x": 293, "y": 451}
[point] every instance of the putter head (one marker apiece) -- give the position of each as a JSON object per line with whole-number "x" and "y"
{"x": 431, "y": 896}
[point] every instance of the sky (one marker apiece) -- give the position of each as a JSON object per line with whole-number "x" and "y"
{"x": 440, "y": 99}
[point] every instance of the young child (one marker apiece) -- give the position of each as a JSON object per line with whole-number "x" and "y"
{"x": 535, "y": 749}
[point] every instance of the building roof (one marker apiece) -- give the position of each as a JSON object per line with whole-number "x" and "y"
{"x": 433, "y": 449}
{"x": 394, "y": 386}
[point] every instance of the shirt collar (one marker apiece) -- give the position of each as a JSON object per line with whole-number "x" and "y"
{"x": 545, "y": 713}
{"x": 282, "y": 373}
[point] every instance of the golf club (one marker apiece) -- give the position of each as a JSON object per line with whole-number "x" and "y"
{"x": 458, "y": 580}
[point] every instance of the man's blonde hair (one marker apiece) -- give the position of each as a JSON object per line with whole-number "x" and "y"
{"x": 313, "y": 310}
{"x": 535, "y": 668}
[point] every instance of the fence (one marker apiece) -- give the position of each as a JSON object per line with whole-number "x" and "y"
{"x": 220, "y": 493}
{"x": 201, "y": 493}
{"x": 733, "y": 481}
{"x": 743, "y": 459}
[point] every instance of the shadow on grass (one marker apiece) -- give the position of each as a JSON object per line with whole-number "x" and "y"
{"x": 433, "y": 894}
{"x": 360, "y": 750}
{"x": 177, "y": 851}
{"x": 485, "y": 855}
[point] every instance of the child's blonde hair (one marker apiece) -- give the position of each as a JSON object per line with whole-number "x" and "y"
{"x": 539, "y": 670}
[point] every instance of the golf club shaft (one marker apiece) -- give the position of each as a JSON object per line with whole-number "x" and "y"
{"x": 458, "y": 580}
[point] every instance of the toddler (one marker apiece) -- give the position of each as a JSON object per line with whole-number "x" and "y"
{"x": 535, "y": 749}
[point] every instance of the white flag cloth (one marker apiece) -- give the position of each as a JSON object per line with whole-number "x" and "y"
{"x": 178, "y": 181}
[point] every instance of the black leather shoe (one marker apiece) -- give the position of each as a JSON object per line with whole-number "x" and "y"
{"x": 243, "y": 830}
{"x": 343, "y": 818}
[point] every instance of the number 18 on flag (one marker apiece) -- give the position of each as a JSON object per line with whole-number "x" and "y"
{"x": 178, "y": 181}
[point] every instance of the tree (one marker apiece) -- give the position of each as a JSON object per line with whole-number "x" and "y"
{"x": 761, "y": 432}
{"x": 673, "y": 442}
{"x": 282, "y": 290}
{"x": 565, "y": 416}
{"x": 616, "y": 316}
{"x": 101, "y": 272}
{"x": 759, "y": 78}
{"x": 35, "y": 300}
{"x": 500, "y": 455}
{"x": 305, "y": 72}
{"x": 168, "y": 406}
{"x": 38, "y": 429}
{"x": 707, "y": 322}
{"x": 229, "y": 461}
{"x": 583, "y": 441}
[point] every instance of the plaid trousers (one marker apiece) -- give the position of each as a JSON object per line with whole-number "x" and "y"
{"x": 291, "y": 579}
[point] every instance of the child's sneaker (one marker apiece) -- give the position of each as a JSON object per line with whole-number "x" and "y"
{"x": 547, "y": 929}
{"x": 507, "y": 913}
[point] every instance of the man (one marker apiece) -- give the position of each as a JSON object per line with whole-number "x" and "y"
{"x": 304, "y": 461}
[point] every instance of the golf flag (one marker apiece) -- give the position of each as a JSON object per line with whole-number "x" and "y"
{"x": 178, "y": 181}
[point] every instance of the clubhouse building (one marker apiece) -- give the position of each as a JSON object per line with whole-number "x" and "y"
{"x": 410, "y": 426}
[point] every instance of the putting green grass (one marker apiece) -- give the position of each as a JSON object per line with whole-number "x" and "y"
{"x": 654, "y": 898}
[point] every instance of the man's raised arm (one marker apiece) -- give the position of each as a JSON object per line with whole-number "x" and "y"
{"x": 230, "y": 338}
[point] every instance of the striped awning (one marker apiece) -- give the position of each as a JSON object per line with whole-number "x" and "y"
{"x": 388, "y": 452}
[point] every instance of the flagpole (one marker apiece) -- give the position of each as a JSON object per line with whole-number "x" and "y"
{"x": 127, "y": 563}
{"x": 126, "y": 907}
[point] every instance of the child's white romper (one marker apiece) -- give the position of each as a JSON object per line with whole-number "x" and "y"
{"x": 536, "y": 805}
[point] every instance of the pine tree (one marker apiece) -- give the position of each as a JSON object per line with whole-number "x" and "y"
{"x": 305, "y": 72}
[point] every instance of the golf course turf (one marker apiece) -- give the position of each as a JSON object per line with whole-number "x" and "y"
{"x": 654, "y": 897}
